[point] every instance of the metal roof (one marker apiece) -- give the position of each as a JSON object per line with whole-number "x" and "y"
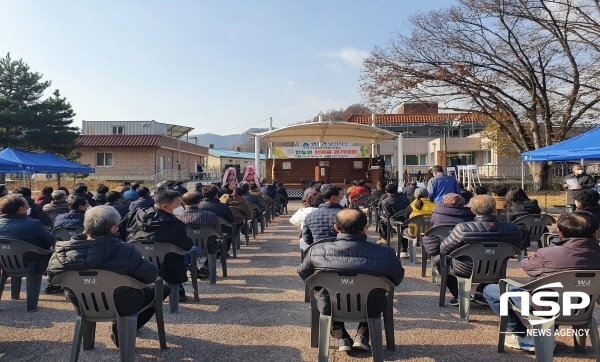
{"x": 233, "y": 154}
{"x": 176, "y": 131}
{"x": 329, "y": 132}
{"x": 119, "y": 140}
{"x": 414, "y": 118}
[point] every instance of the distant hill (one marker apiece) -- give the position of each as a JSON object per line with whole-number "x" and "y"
{"x": 225, "y": 142}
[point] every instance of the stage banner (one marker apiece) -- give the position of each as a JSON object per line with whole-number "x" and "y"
{"x": 321, "y": 152}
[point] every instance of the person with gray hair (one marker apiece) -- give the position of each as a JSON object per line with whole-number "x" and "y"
{"x": 99, "y": 247}
{"x": 484, "y": 229}
{"x": 59, "y": 204}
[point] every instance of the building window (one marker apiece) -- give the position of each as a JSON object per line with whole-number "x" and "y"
{"x": 455, "y": 133}
{"x": 104, "y": 159}
{"x": 415, "y": 160}
{"x": 466, "y": 132}
{"x": 487, "y": 157}
{"x": 118, "y": 130}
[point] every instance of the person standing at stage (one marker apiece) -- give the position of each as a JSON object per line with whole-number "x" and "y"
{"x": 582, "y": 180}
{"x": 441, "y": 184}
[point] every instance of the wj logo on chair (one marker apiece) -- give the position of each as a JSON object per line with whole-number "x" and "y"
{"x": 89, "y": 281}
{"x": 346, "y": 281}
{"x": 572, "y": 301}
{"x": 490, "y": 251}
{"x": 5, "y": 246}
{"x": 148, "y": 247}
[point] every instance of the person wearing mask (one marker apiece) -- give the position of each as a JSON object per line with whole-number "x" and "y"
{"x": 582, "y": 181}
{"x": 160, "y": 224}
{"x": 237, "y": 202}
{"x": 441, "y": 184}
{"x": 358, "y": 191}
{"x": 77, "y": 208}
{"x": 123, "y": 187}
{"x": 3, "y": 190}
{"x": 308, "y": 191}
{"x": 36, "y": 210}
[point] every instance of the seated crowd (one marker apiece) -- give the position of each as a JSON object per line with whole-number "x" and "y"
{"x": 111, "y": 219}
{"x": 444, "y": 202}
{"x": 161, "y": 217}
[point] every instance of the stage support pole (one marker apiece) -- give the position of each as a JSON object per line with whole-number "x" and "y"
{"x": 400, "y": 160}
{"x": 257, "y": 155}
{"x": 522, "y": 175}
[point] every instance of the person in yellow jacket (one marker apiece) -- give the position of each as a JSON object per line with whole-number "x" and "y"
{"x": 420, "y": 206}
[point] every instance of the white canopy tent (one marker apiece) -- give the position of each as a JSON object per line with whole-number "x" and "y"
{"x": 332, "y": 132}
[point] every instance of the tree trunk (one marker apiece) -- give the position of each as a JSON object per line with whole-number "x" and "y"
{"x": 542, "y": 174}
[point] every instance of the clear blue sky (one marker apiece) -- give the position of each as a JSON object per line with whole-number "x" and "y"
{"x": 212, "y": 65}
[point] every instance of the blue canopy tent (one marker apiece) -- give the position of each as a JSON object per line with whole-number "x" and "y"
{"x": 585, "y": 146}
{"x": 15, "y": 161}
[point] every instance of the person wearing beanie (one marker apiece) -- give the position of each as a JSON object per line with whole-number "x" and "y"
{"x": 587, "y": 200}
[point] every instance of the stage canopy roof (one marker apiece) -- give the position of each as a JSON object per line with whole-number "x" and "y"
{"x": 15, "y": 161}
{"x": 584, "y": 146}
{"x": 328, "y": 132}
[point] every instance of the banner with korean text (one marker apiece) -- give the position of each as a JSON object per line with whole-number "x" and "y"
{"x": 321, "y": 152}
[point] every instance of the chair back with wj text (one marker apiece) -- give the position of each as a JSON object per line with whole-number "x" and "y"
{"x": 94, "y": 290}
{"x": 581, "y": 319}
{"x": 200, "y": 236}
{"x": 489, "y": 266}
{"x": 348, "y": 296}
{"x": 66, "y": 232}
{"x": 155, "y": 252}
{"x": 536, "y": 225}
{"x": 441, "y": 231}
{"x": 13, "y": 266}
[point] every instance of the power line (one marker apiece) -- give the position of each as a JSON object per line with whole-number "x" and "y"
{"x": 246, "y": 125}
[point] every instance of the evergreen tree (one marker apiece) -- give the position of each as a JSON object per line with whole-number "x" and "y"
{"x": 26, "y": 121}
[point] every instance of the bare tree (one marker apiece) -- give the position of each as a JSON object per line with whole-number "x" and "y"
{"x": 531, "y": 67}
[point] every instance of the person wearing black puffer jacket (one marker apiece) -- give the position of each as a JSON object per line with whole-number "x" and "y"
{"x": 100, "y": 248}
{"x": 485, "y": 228}
{"x": 451, "y": 211}
{"x": 351, "y": 252}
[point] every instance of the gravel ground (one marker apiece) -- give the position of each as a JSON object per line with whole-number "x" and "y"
{"x": 258, "y": 314}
